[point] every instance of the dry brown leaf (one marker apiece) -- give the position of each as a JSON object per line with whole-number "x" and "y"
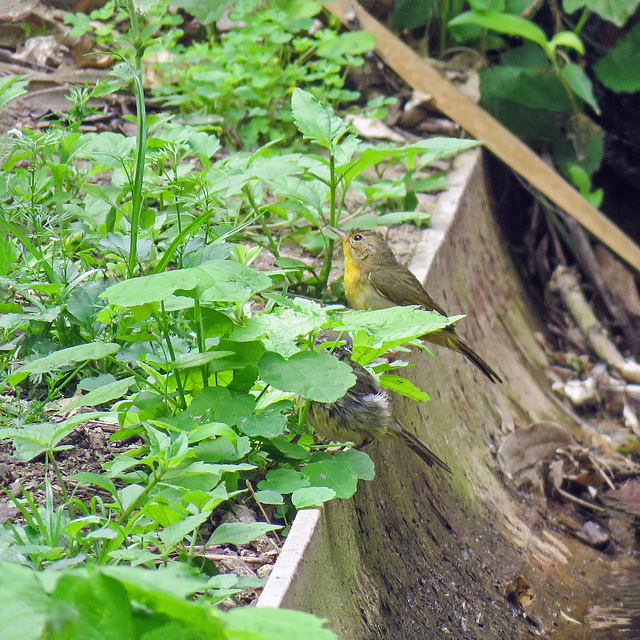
{"x": 519, "y": 592}
{"x": 374, "y": 128}
{"x": 528, "y": 445}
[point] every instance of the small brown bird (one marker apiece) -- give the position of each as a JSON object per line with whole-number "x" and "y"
{"x": 374, "y": 279}
{"x": 363, "y": 414}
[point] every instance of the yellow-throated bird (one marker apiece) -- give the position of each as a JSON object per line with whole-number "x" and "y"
{"x": 374, "y": 279}
{"x": 363, "y": 414}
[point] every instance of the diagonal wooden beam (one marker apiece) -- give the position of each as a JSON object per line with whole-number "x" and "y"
{"x": 420, "y": 75}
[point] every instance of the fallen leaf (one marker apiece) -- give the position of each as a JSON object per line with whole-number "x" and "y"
{"x": 526, "y": 446}
{"x": 373, "y": 128}
{"x": 519, "y": 592}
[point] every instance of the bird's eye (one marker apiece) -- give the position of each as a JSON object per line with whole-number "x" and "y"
{"x": 358, "y": 238}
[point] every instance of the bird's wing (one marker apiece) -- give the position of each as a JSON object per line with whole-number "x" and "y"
{"x": 401, "y": 287}
{"x": 365, "y": 383}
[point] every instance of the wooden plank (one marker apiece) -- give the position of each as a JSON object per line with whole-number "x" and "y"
{"x": 420, "y": 75}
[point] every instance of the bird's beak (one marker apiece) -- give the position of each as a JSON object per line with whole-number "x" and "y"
{"x": 341, "y": 234}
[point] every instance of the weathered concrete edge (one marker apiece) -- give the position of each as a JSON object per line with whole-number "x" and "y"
{"x": 307, "y": 528}
{"x": 287, "y": 566}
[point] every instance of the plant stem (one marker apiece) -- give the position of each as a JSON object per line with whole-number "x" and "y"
{"x": 200, "y": 340}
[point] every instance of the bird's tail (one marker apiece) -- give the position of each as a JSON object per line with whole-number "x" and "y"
{"x": 420, "y": 448}
{"x": 458, "y": 344}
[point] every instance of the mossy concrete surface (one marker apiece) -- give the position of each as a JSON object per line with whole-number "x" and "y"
{"x": 417, "y": 553}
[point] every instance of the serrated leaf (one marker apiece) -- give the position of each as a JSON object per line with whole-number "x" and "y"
{"x": 316, "y": 121}
{"x": 395, "y": 324}
{"x": 316, "y": 376}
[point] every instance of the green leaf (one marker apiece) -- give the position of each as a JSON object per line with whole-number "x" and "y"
{"x": 616, "y": 11}
{"x": 23, "y": 602}
{"x": 403, "y": 386}
{"x": 215, "y": 280}
{"x": 311, "y": 497}
{"x": 580, "y": 84}
{"x": 434, "y": 148}
{"x": 360, "y": 461}
{"x": 267, "y": 496}
{"x": 86, "y": 607}
{"x": 316, "y": 121}
{"x": 620, "y": 68}
{"x": 339, "y": 475}
{"x": 395, "y": 324}
{"x": 176, "y": 532}
{"x": 103, "y": 394}
{"x": 63, "y": 358}
{"x": 567, "y": 39}
{"x": 274, "y": 624}
{"x": 238, "y": 533}
{"x": 97, "y": 479}
{"x": 504, "y": 23}
{"x": 350, "y": 43}
{"x": 317, "y": 376}
{"x": 12, "y": 87}
{"x": 283, "y": 481}
{"x": 268, "y": 423}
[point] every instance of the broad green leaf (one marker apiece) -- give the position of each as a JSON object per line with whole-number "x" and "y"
{"x": 370, "y": 221}
{"x": 534, "y": 87}
{"x": 63, "y": 358}
{"x": 232, "y": 281}
{"x": 86, "y": 607}
{"x": 504, "y": 23}
{"x": 266, "y": 424}
{"x": 316, "y": 121}
{"x": 359, "y": 460}
{"x": 395, "y": 324}
{"x": 339, "y": 475}
{"x": 238, "y": 533}
{"x": 316, "y": 376}
{"x": 274, "y": 624}
{"x": 97, "y": 479}
{"x": 352, "y": 42}
{"x": 268, "y": 496}
{"x": 106, "y": 393}
{"x": 191, "y": 360}
{"x": 580, "y": 84}
{"x": 283, "y": 481}
{"x": 620, "y": 68}
{"x": 23, "y": 602}
{"x": 174, "y": 533}
{"x": 311, "y": 496}
{"x": 436, "y": 148}
{"x": 403, "y": 386}
{"x": 616, "y": 11}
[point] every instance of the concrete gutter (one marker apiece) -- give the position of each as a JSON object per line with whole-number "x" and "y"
{"x": 417, "y": 554}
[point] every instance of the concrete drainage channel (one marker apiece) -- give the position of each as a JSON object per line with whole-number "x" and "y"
{"x": 420, "y": 554}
